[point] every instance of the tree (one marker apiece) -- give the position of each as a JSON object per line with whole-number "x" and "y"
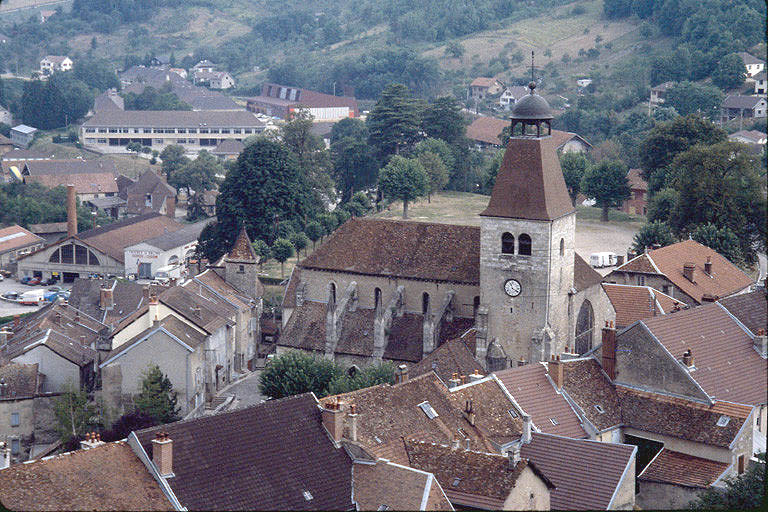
{"x": 314, "y": 231}
{"x": 329, "y": 223}
{"x": 663, "y": 114}
{"x": 58, "y": 102}
{"x": 96, "y": 73}
{"x": 437, "y": 146}
{"x": 607, "y": 184}
{"x": 127, "y": 423}
{"x": 393, "y": 123}
{"x": 197, "y": 177}
{"x": 74, "y": 414}
{"x": 662, "y": 204}
{"x": 156, "y": 397}
{"x": 729, "y": 72}
{"x": 437, "y": 174}
{"x": 442, "y": 119}
{"x": 722, "y": 240}
{"x": 383, "y": 373}
{"x": 299, "y": 241}
{"x": 651, "y": 234}
{"x": 310, "y": 154}
{"x": 721, "y": 185}
{"x": 742, "y": 492}
{"x": 134, "y": 147}
{"x": 155, "y": 99}
{"x": 294, "y": 373}
{"x": 174, "y": 158}
{"x": 455, "y": 50}
{"x": 262, "y": 250}
{"x": 404, "y": 179}
{"x": 574, "y": 167}
{"x": 354, "y": 166}
{"x": 349, "y": 127}
{"x": 281, "y": 250}
{"x": 692, "y": 98}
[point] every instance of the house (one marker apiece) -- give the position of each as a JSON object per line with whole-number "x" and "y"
{"x": 110, "y": 301}
{"x": 752, "y": 64}
{"x": 687, "y": 271}
{"x": 658, "y": 94}
{"x": 583, "y": 82}
{"x": 169, "y": 252}
{"x": 482, "y": 87}
{"x": 16, "y": 241}
{"x": 75, "y": 480}
{"x": 282, "y": 101}
{"x": 760, "y": 84}
{"x": 204, "y": 66}
{"x": 22, "y": 135}
{"x": 111, "y": 131}
{"x": 228, "y": 149}
{"x": 6, "y": 116}
{"x": 632, "y": 303}
{"x": 147, "y": 194}
{"x": 214, "y": 79}
{"x": 749, "y": 137}
{"x": 179, "y": 71}
{"x": 510, "y": 96}
{"x": 46, "y": 14}
{"x": 53, "y": 63}
{"x": 637, "y": 204}
{"x": 742, "y": 107}
{"x": 485, "y": 131}
{"x": 108, "y": 100}
{"x": 92, "y": 178}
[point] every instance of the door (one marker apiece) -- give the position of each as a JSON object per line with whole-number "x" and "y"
{"x": 145, "y": 271}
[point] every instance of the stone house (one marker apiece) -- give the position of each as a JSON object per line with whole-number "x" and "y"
{"x": 742, "y": 107}
{"x": 510, "y": 96}
{"x": 482, "y": 87}
{"x": 686, "y": 271}
{"x": 637, "y": 204}
{"x": 53, "y": 63}
{"x": 23, "y": 135}
{"x": 658, "y": 94}
{"x": 16, "y": 241}
{"x": 93, "y": 179}
{"x": 148, "y": 193}
{"x": 760, "y": 83}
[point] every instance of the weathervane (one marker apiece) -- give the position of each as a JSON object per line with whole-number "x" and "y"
{"x": 532, "y": 78}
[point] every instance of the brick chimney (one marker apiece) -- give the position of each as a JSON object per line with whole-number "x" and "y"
{"x": 688, "y": 269}
{"x": 106, "y": 299}
{"x": 609, "y": 350}
{"x": 761, "y": 343}
{"x": 162, "y": 454}
{"x": 556, "y": 372}
{"x": 352, "y": 417}
{"x": 401, "y": 374}
{"x": 708, "y": 265}
{"x": 71, "y": 211}
{"x": 333, "y": 420}
{"x": 521, "y": 362}
{"x": 688, "y": 358}
{"x": 525, "y": 438}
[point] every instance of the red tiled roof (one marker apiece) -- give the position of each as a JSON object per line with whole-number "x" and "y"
{"x": 639, "y": 264}
{"x": 727, "y": 365}
{"x": 636, "y": 182}
{"x": 417, "y": 250}
{"x": 107, "y": 477}
{"x": 397, "y": 487}
{"x": 681, "y": 469}
{"x": 482, "y": 81}
{"x": 539, "y": 398}
{"x": 487, "y": 130}
{"x": 585, "y": 473}
{"x": 587, "y": 385}
{"x": 530, "y": 183}
{"x": 112, "y": 239}
{"x": 633, "y": 303}
{"x": 85, "y": 183}
{"x": 16, "y": 237}
{"x": 453, "y": 356}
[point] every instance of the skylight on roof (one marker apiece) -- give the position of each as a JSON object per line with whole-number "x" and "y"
{"x": 384, "y": 507}
{"x": 428, "y": 410}
{"x": 512, "y": 413}
{"x": 723, "y": 421}
{"x": 554, "y": 421}
{"x": 307, "y": 495}
{"x": 455, "y": 482}
{"x": 599, "y": 408}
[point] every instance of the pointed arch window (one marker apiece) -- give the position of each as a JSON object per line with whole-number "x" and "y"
{"x": 424, "y": 303}
{"x": 376, "y": 298}
{"x": 562, "y": 247}
{"x": 507, "y": 243}
{"x": 332, "y": 290}
{"x": 524, "y": 245}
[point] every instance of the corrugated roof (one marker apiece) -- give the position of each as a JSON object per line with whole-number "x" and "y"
{"x": 677, "y": 468}
{"x": 530, "y": 183}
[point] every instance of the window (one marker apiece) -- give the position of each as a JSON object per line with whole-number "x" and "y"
{"x": 507, "y": 243}
{"x": 307, "y": 495}
{"x": 562, "y": 247}
{"x": 554, "y": 421}
{"x": 15, "y": 446}
{"x": 93, "y": 259}
{"x": 524, "y": 245}
{"x": 599, "y": 408}
{"x": 665, "y": 289}
{"x": 424, "y": 303}
{"x": 55, "y": 256}
{"x": 456, "y": 482}
{"x": 723, "y": 421}
{"x": 376, "y": 298}
{"x": 641, "y": 280}
{"x": 512, "y": 413}
{"x": 428, "y": 410}
{"x": 148, "y": 200}
{"x": 15, "y": 419}
{"x": 67, "y": 253}
{"x": 241, "y": 269}
{"x": 81, "y": 255}
{"x": 333, "y": 292}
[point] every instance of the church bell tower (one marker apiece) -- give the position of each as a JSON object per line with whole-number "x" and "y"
{"x": 527, "y": 237}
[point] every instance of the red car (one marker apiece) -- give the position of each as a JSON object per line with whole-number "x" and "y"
{"x": 33, "y": 282}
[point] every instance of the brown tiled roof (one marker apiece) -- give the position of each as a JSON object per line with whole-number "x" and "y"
{"x": 148, "y": 183}
{"x": 242, "y": 250}
{"x": 16, "y": 237}
{"x": 530, "y": 183}
{"x": 229, "y": 147}
{"x": 128, "y": 296}
{"x": 588, "y": 386}
{"x": 21, "y": 380}
{"x": 72, "y": 324}
{"x": 539, "y": 398}
{"x": 482, "y": 81}
{"x": 85, "y": 183}
{"x": 481, "y": 479}
{"x": 77, "y": 481}
{"x": 417, "y": 250}
{"x": 70, "y": 166}
{"x": 242, "y": 460}
{"x": 640, "y": 263}
{"x": 172, "y": 325}
{"x": 585, "y": 473}
{"x": 561, "y": 138}
{"x": 750, "y": 308}
{"x": 636, "y": 182}
{"x": 389, "y": 413}
{"x": 677, "y": 468}
{"x": 396, "y": 487}
{"x": 487, "y": 130}
{"x": 289, "y": 296}
{"x": 215, "y": 282}
{"x": 212, "y": 312}
{"x": 113, "y": 238}
{"x": 68, "y": 348}
{"x": 584, "y": 276}
{"x": 727, "y": 365}
{"x": 453, "y": 356}
{"x": 633, "y": 303}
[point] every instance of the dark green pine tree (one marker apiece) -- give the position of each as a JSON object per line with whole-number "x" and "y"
{"x": 394, "y": 122}
{"x": 157, "y": 399}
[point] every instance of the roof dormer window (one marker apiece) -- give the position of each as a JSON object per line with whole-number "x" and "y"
{"x": 428, "y": 410}
{"x": 723, "y": 421}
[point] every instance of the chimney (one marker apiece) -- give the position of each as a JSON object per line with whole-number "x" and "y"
{"x": 57, "y": 318}
{"x": 196, "y": 311}
{"x": 352, "y": 416}
{"x": 521, "y": 362}
{"x": 688, "y": 269}
{"x": 145, "y": 292}
{"x": 708, "y": 265}
{"x": 761, "y": 343}
{"x": 456, "y": 444}
{"x": 688, "y": 358}
{"x": 475, "y": 376}
{"x": 556, "y": 372}
{"x": 525, "y": 438}
{"x": 77, "y": 317}
{"x": 92, "y": 440}
{"x": 4, "y": 335}
{"x": 154, "y": 310}
{"x": 609, "y": 350}
{"x": 106, "y": 299}
{"x": 16, "y": 321}
{"x": 514, "y": 455}
{"x": 162, "y": 454}
{"x": 469, "y": 412}
{"x": 333, "y": 420}
{"x": 5, "y": 455}
{"x": 454, "y": 381}
{"x": 467, "y": 442}
{"x": 71, "y": 211}
{"x": 708, "y": 297}
{"x": 463, "y": 379}
{"x": 401, "y": 374}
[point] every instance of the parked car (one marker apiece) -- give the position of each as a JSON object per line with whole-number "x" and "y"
{"x": 11, "y": 295}
{"x": 55, "y": 288}
{"x": 32, "y": 298}
{"x": 33, "y": 281}
{"x": 5, "y": 273}
{"x": 1, "y": 277}
{"x": 49, "y": 281}
{"x": 602, "y": 259}
{"x": 25, "y": 279}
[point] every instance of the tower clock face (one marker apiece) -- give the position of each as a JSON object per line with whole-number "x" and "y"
{"x": 512, "y": 287}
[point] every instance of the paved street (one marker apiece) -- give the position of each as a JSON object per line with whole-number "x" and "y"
{"x": 246, "y": 391}
{"x": 9, "y": 308}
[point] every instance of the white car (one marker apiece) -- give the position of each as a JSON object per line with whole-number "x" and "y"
{"x": 1, "y": 277}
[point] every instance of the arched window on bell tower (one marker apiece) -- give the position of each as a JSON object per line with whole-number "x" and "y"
{"x": 424, "y": 303}
{"x": 562, "y": 247}
{"x": 376, "y": 298}
{"x": 332, "y": 291}
{"x": 507, "y": 243}
{"x": 524, "y": 245}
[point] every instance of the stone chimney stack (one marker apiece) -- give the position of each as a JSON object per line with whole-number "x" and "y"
{"x": 352, "y": 417}
{"x": 708, "y": 265}
{"x": 333, "y": 420}
{"x": 473, "y": 377}
{"x": 5, "y": 334}
{"x": 401, "y": 374}
{"x": 688, "y": 358}
{"x": 145, "y": 292}
{"x": 514, "y": 455}
{"x": 106, "y": 299}
{"x": 162, "y": 454}
{"x": 761, "y": 343}
{"x": 556, "y": 372}
{"x": 525, "y": 438}
{"x": 688, "y": 269}
{"x": 154, "y": 310}
{"x": 609, "y": 350}
{"x": 71, "y": 211}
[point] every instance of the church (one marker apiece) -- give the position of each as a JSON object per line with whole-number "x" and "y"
{"x": 394, "y": 290}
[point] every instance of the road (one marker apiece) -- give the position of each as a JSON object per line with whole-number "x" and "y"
{"x": 246, "y": 391}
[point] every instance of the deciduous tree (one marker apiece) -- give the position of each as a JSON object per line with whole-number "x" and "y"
{"x": 281, "y": 250}
{"x": 607, "y": 184}
{"x": 574, "y": 167}
{"x": 437, "y": 173}
{"x": 404, "y": 179}
{"x": 651, "y": 234}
